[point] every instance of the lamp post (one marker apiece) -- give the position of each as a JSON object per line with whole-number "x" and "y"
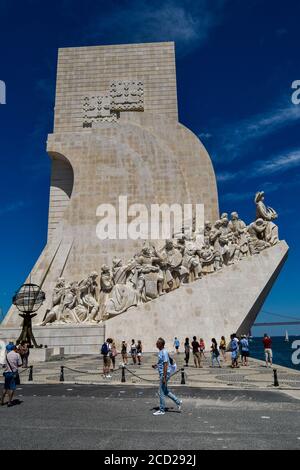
{"x": 28, "y": 300}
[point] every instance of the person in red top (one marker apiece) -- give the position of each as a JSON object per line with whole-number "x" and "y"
{"x": 267, "y": 342}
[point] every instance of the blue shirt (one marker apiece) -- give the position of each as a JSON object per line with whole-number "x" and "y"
{"x": 244, "y": 344}
{"x": 163, "y": 357}
{"x": 176, "y": 343}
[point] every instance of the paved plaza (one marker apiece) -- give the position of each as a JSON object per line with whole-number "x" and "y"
{"x": 87, "y": 369}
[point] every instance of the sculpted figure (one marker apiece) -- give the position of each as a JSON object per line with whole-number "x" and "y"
{"x": 170, "y": 261}
{"x": 207, "y": 257}
{"x": 256, "y": 232}
{"x": 123, "y": 295}
{"x": 106, "y": 286}
{"x": 239, "y": 229}
{"x": 207, "y": 228}
{"x": 73, "y": 311}
{"x": 54, "y": 313}
{"x": 228, "y": 244}
{"x": 191, "y": 266}
{"x": 214, "y": 239}
{"x": 268, "y": 214}
{"x": 150, "y": 277}
{"x": 88, "y": 293}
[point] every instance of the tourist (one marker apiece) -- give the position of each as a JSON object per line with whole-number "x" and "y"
{"x": 164, "y": 370}
{"x": 244, "y": 343}
{"x": 106, "y": 353}
{"x": 124, "y": 352}
{"x": 187, "y": 349}
{"x": 23, "y": 350}
{"x": 12, "y": 362}
{"x": 267, "y": 342}
{"x": 215, "y": 353}
{"x": 133, "y": 351}
{"x": 176, "y": 344}
{"x": 222, "y": 347}
{"x": 196, "y": 352}
{"x": 202, "y": 348}
{"x": 139, "y": 351}
{"x": 234, "y": 348}
{"x": 113, "y": 354}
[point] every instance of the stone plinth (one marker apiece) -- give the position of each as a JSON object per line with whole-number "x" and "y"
{"x": 75, "y": 339}
{"x": 45, "y": 354}
{"x": 222, "y": 303}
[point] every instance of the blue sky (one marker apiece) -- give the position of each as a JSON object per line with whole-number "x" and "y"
{"x": 236, "y": 62}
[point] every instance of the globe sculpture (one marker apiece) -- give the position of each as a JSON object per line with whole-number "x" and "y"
{"x": 28, "y": 300}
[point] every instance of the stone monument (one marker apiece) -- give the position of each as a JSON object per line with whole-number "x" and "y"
{"x": 116, "y": 133}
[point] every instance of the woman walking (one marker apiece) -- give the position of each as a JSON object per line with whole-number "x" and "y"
{"x": 202, "y": 348}
{"x": 133, "y": 351}
{"x": 214, "y": 352}
{"x": 222, "y": 347}
{"x": 187, "y": 349}
{"x": 113, "y": 353}
{"x": 139, "y": 350}
{"x": 124, "y": 353}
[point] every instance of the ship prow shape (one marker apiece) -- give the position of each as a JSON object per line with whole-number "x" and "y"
{"x": 221, "y": 303}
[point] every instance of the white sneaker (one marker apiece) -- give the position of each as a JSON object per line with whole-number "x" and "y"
{"x": 179, "y": 406}
{"x": 158, "y": 413}
{"x": 108, "y": 376}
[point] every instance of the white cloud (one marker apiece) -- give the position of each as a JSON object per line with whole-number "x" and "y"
{"x": 205, "y": 136}
{"x": 237, "y": 137}
{"x": 279, "y": 163}
{"x": 186, "y": 22}
{"x": 11, "y": 207}
{"x": 227, "y": 176}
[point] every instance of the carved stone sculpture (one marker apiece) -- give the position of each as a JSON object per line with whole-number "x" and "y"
{"x": 214, "y": 239}
{"x": 123, "y": 295}
{"x": 207, "y": 257}
{"x": 88, "y": 294}
{"x": 239, "y": 229}
{"x": 106, "y": 286}
{"x": 257, "y": 241}
{"x": 170, "y": 262}
{"x": 268, "y": 214}
{"x": 54, "y": 313}
{"x": 151, "y": 273}
{"x": 191, "y": 266}
{"x": 150, "y": 277}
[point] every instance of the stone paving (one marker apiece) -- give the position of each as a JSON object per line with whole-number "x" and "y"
{"x": 87, "y": 369}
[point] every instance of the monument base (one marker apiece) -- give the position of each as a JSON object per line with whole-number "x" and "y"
{"x": 75, "y": 339}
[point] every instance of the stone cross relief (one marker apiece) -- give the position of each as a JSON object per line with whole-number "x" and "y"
{"x": 125, "y": 95}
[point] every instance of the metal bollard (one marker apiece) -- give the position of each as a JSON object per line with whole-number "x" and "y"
{"x": 30, "y": 376}
{"x": 276, "y": 383}
{"x": 182, "y": 377}
{"x": 123, "y": 375}
{"x": 62, "y": 377}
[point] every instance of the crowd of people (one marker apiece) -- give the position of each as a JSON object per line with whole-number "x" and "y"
{"x": 16, "y": 356}
{"x": 239, "y": 347}
{"x": 109, "y": 353}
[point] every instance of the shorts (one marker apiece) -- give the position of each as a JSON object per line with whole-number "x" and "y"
{"x": 234, "y": 355}
{"x": 9, "y": 381}
{"x": 107, "y": 361}
{"x": 245, "y": 354}
{"x": 268, "y": 354}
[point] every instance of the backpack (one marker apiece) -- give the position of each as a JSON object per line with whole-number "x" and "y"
{"x": 104, "y": 349}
